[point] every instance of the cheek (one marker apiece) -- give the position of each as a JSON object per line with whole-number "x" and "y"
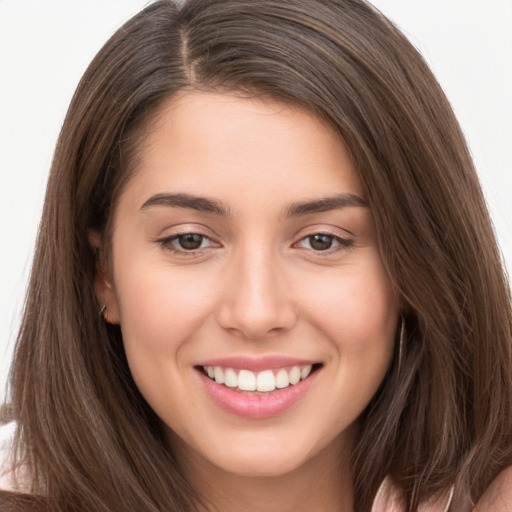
{"x": 161, "y": 311}
{"x": 160, "y": 308}
{"x": 357, "y": 311}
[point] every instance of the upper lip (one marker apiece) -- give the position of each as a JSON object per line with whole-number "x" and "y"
{"x": 256, "y": 364}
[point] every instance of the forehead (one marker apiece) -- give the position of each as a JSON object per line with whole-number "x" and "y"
{"x": 217, "y": 144}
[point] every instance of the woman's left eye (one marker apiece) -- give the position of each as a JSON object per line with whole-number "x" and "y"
{"x": 186, "y": 242}
{"x": 323, "y": 242}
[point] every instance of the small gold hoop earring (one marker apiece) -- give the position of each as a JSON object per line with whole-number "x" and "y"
{"x": 401, "y": 345}
{"x": 103, "y": 313}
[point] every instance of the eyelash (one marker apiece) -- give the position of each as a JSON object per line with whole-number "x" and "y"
{"x": 341, "y": 243}
{"x": 167, "y": 243}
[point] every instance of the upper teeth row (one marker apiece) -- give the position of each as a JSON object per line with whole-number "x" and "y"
{"x": 266, "y": 380}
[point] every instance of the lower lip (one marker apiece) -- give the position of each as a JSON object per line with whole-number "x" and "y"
{"x": 256, "y": 406}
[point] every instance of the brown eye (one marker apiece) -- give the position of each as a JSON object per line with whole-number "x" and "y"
{"x": 190, "y": 241}
{"x": 187, "y": 244}
{"x": 324, "y": 242}
{"x": 321, "y": 242}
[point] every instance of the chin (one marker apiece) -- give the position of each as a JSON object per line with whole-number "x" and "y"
{"x": 258, "y": 465}
{"x": 267, "y": 456}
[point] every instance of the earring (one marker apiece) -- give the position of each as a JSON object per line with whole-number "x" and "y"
{"x": 103, "y": 313}
{"x": 401, "y": 344}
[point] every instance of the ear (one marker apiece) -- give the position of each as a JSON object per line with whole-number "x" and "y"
{"x": 103, "y": 283}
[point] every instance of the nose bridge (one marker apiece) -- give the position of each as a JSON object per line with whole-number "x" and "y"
{"x": 258, "y": 302}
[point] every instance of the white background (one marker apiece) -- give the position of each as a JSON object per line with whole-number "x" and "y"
{"x": 45, "y": 47}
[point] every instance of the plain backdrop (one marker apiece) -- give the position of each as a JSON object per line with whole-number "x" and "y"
{"x": 45, "y": 47}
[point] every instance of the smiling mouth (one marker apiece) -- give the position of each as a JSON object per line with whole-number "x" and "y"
{"x": 259, "y": 383}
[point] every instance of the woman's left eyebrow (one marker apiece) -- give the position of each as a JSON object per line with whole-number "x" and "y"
{"x": 325, "y": 204}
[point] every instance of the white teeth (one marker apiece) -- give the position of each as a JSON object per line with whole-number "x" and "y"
{"x": 295, "y": 375}
{"x": 305, "y": 371}
{"x": 282, "y": 379}
{"x": 219, "y": 375}
{"x": 230, "y": 378}
{"x": 264, "y": 381}
{"x": 246, "y": 381}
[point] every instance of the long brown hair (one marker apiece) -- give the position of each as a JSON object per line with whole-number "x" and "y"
{"x": 443, "y": 416}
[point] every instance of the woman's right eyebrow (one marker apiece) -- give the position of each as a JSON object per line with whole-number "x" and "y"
{"x": 201, "y": 204}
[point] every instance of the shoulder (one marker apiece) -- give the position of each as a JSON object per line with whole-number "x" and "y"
{"x": 389, "y": 498}
{"x": 498, "y": 496}
{"x": 6, "y": 433}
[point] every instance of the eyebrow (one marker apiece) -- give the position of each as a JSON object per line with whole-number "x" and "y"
{"x": 200, "y": 204}
{"x": 325, "y": 204}
{"x": 204, "y": 204}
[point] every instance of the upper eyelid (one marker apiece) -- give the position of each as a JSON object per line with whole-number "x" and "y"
{"x": 183, "y": 229}
{"x": 327, "y": 225}
{"x": 183, "y": 233}
{"x": 335, "y": 231}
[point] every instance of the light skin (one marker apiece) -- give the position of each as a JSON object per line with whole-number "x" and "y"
{"x": 244, "y": 232}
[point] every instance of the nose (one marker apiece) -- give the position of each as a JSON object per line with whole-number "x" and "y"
{"x": 257, "y": 303}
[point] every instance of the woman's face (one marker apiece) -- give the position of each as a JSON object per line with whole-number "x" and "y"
{"x": 257, "y": 317}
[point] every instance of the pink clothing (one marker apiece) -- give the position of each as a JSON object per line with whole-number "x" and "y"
{"x": 6, "y": 478}
{"x": 388, "y": 500}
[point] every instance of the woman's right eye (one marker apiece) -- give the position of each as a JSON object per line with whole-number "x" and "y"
{"x": 186, "y": 242}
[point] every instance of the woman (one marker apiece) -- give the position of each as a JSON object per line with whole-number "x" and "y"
{"x": 302, "y": 305}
